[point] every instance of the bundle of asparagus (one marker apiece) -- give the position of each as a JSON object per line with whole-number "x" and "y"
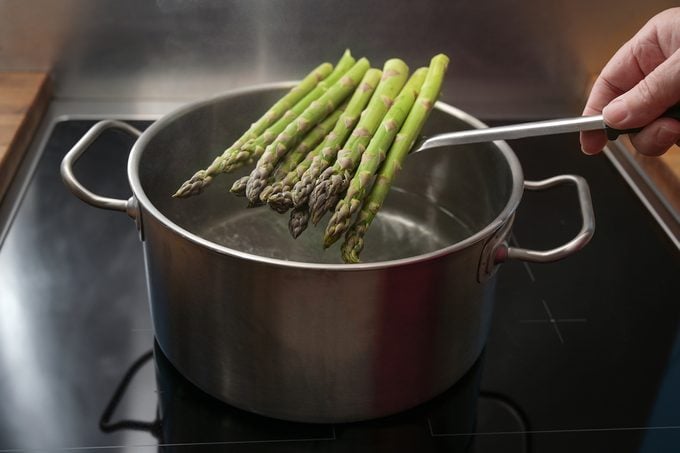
{"x": 334, "y": 142}
{"x": 371, "y": 158}
{"x": 333, "y": 181}
{"x": 269, "y": 125}
{"x": 282, "y": 192}
{"x": 354, "y": 239}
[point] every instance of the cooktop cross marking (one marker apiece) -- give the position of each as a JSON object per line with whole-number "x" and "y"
{"x": 552, "y": 320}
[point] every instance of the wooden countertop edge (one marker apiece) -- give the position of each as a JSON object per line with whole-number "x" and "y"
{"x": 28, "y": 112}
{"x": 664, "y": 171}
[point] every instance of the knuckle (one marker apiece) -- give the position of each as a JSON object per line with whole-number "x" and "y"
{"x": 647, "y": 92}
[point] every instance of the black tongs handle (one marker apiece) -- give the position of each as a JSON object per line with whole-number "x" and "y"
{"x": 613, "y": 134}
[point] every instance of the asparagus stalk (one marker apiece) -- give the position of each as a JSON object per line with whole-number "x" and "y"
{"x": 354, "y": 239}
{"x": 197, "y": 182}
{"x": 333, "y": 181}
{"x": 305, "y": 182}
{"x": 311, "y": 140}
{"x": 292, "y": 159}
{"x": 299, "y": 219}
{"x": 255, "y": 147}
{"x": 372, "y": 158}
{"x": 279, "y": 198}
{"x": 294, "y": 132}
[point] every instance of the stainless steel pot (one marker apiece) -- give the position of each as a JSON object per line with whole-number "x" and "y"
{"x": 280, "y": 327}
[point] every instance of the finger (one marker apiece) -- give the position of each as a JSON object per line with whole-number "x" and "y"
{"x": 592, "y": 142}
{"x": 603, "y": 91}
{"x": 621, "y": 73}
{"x": 657, "y": 137}
{"x": 648, "y": 99}
{"x": 630, "y": 64}
{"x": 643, "y": 54}
{"x": 610, "y": 84}
{"x": 651, "y": 46}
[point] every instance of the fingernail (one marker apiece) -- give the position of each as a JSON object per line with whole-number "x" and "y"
{"x": 616, "y": 112}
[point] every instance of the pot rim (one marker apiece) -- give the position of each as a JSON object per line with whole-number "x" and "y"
{"x": 160, "y": 124}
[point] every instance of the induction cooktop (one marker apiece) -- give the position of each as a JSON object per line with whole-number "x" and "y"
{"x": 583, "y": 354}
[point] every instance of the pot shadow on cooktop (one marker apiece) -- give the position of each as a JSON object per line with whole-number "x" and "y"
{"x": 188, "y": 418}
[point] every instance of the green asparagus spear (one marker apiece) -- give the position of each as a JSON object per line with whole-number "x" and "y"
{"x": 372, "y": 158}
{"x": 279, "y": 198}
{"x": 296, "y": 130}
{"x": 311, "y": 140}
{"x": 334, "y": 180}
{"x": 354, "y": 239}
{"x": 197, "y": 182}
{"x": 254, "y": 148}
{"x": 305, "y": 183}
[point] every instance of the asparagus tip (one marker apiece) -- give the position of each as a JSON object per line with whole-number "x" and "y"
{"x": 351, "y": 248}
{"x": 239, "y": 186}
{"x": 327, "y": 242}
{"x": 299, "y": 219}
{"x": 280, "y": 202}
{"x": 184, "y": 191}
{"x": 254, "y": 187}
{"x": 266, "y": 193}
{"x": 192, "y": 187}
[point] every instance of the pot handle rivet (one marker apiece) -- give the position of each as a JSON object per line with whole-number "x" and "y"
{"x": 500, "y": 254}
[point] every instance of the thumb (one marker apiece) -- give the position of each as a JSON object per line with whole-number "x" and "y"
{"x": 647, "y": 100}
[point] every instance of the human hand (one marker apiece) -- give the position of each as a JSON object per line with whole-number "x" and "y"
{"x": 639, "y": 83}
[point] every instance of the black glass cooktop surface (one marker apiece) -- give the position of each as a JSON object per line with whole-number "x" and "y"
{"x": 583, "y": 354}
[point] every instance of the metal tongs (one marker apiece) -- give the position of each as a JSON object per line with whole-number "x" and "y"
{"x": 533, "y": 129}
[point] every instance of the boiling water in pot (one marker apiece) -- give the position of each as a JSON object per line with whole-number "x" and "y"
{"x": 398, "y": 232}
{"x": 442, "y": 197}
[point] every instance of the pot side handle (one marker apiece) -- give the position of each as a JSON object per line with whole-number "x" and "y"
{"x": 128, "y": 206}
{"x": 577, "y": 243}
